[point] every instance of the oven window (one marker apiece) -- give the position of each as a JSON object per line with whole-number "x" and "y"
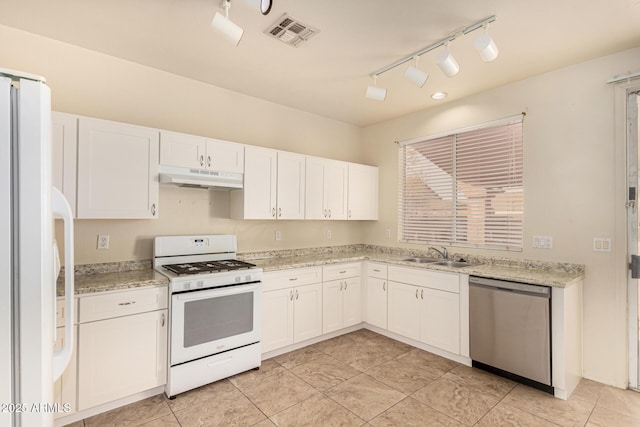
{"x": 216, "y": 318}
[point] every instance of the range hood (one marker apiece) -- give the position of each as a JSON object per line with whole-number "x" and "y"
{"x": 199, "y": 178}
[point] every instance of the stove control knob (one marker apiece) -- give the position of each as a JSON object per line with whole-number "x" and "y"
{"x": 238, "y": 279}
{"x": 248, "y": 278}
{"x": 187, "y": 285}
{"x": 199, "y": 284}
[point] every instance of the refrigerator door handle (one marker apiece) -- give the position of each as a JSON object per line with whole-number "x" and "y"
{"x": 61, "y": 208}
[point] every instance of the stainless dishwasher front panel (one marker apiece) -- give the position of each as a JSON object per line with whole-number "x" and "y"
{"x": 510, "y": 327}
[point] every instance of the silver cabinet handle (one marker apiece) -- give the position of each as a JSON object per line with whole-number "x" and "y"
{"x": 273, "y": 212}
{"x": 376, "y": 270}
{"x": 291, "y": 279}
{"x": 291, "y": 295}
{"x": 345, "y": 285}
{"x": 153, "y": 209}
{"x": 343, "y": 271}
{"x": 417, "y": 290}
{"x": 384, "y": 288}
{"x": 297, "y": 294}
{"x": 209, "y": 161}
{"x": 325, "y": 213}
{"x": 280, "y": 212}
{"x": 329, "y": 213}
{"x": 349, "y": 213}
{"x": 422, "y": 294}
{"x": 340, "y": 285}
{"x": 163, "y": 320}
{"x": 127, "y": 303}
{"x": 201, "y": 160}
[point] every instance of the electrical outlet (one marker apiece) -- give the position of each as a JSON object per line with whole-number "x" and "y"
{"x": 601, "y": 244}
{"x": 103, "y": 241}
{"x": 278, "y": 235}
{"x": 328, "y": 234}
{"x": 387, "y": 233}
{"x": 543, "y": 242}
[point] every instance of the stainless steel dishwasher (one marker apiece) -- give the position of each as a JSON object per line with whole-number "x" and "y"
{"x": 510, "y": 330}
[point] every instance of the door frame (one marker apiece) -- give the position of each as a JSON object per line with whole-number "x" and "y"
{"x": 626, "y": 132}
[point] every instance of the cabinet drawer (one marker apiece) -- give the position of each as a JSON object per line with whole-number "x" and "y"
{"x": 378, "y": 270}
{"x": 341, "y": 271}
{"x": 449, "y": 282}
{"x": 281, "y": 279}
{"x": 122, "y": 303}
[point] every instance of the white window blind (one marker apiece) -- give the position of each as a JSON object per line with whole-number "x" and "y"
{"x": 464, "y": 188}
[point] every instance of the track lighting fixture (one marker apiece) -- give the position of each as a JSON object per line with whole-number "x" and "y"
{"x": 376, "y": 93}
{"x": 222, "y": 23}
{"x": 446, "y": 62}
{"x": 415, "y": 75}
{"x": 265, "y": 6}
{"x": 484, "y": 44}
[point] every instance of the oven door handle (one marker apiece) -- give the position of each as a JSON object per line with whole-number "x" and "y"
{"x": 216, "y": 292}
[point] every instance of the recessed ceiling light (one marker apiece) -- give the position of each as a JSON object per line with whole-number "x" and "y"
{"x": 439, "y": 95}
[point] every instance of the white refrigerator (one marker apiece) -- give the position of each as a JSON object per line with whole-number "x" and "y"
{"x": 28, "y": 256}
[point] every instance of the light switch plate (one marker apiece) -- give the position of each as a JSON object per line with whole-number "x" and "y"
{"x": 543, "y": 242}
{"x": 103, "y": 241}
{"x": 601, "y": 244}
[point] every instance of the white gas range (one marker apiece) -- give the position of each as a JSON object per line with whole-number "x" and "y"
{"x": 214, "y": 309}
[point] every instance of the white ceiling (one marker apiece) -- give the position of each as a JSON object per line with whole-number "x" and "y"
{"x": 329, "y": 75}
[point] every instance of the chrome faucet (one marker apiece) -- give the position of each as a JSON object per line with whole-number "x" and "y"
{"x": 443, "y": 252}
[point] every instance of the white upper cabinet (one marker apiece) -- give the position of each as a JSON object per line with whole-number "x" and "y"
{"x": 117, "y": 170}
{"x": 273, "y": 186}
{"x": 178, "y": 149}
{"x": 326, "y": 189}
{"x": 363, "y": 192}
{"x": 64, "y": 138}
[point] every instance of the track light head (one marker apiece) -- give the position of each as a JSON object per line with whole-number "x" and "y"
{"x": 486, "y": 47}
{"x": 415, "y": 75}
{"x": 376, "y": 93}
{"x": 232, "y": 32}
{"x": 447, "y": 62}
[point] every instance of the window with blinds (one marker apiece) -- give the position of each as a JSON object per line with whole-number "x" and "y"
{"x": 464, "y": 188}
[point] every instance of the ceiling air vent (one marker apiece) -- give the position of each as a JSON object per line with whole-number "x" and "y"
{"x": 291, "y": 31}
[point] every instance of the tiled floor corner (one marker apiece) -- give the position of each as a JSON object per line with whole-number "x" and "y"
{"x": 366, "y": 379}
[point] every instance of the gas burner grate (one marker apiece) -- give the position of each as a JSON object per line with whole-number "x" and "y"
{"x": 207, "y": 267}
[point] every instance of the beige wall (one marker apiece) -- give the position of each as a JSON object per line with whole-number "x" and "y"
{"x": 92, "y": 84}
{"x": 574, "y": 171}
{"x": 572, "y": 168}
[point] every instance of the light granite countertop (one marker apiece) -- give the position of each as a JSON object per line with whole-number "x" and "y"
{"x": 133, "y": 274}
{"x": 526, "y": 271}
{"x": 113, "y": 276}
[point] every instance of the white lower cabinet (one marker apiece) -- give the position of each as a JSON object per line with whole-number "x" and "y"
{"x": 122, "y": 345}
{"x": 341, "y": 296}
{"x": 425, "y": 306}
{"x": 64, "y": 389}
{"x": 377, "y": 289}
{"x": 291, "y": 307}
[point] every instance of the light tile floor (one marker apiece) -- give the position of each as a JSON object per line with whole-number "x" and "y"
{"x": 364, "y": 378}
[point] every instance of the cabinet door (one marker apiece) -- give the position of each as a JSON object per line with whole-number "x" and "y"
{"x": 259, "y": 193}
{"x": 314, "y": 189}
{"x": 225, "y": 156}
{"x": 440, "y": 319}
{"x": 332, "y": 305}
{"x": 352, "y": 302}
{"x": 377, "y": 302}
{"x": 277, "y": 319}
{"x": 117, "y": 170}
{"x": 307, "y": 312}
{"x": 291, "y": 185}
{"x": 64, "y": 136}
{"x": 363, "y": 192}
{"x": 403, "y": 310}
{"x": 120, "y": 357}
{"x": 335, "y": 188}
{"x": 64, "y": 389}
{"x": 179, "y": 149}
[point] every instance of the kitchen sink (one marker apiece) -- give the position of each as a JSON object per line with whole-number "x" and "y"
{"x": 454, "y": 264}
{"x": 420, "y": 260}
